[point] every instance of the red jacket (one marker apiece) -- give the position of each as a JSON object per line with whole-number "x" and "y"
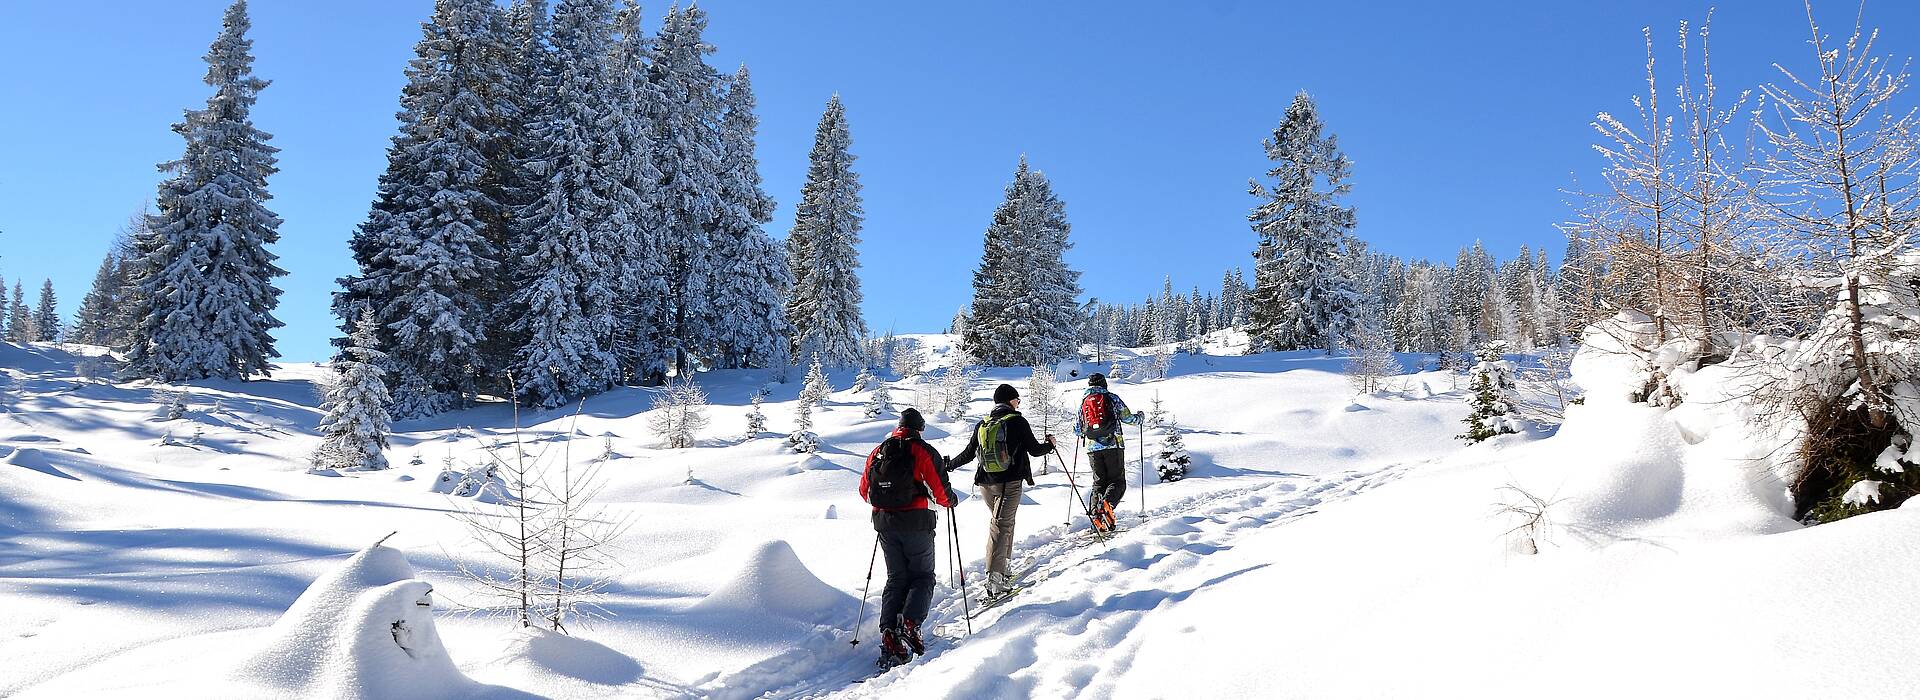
{"x": 926, "y": 469}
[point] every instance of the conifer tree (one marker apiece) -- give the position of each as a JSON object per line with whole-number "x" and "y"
{"x": 1024, "y": 304}
{"x": 825, "y": 306}
{"x": 687, "y": 149}
{"x": 880, "y": 403}
{"x": 752, "y": 280}
{"x": 757, "y": 416}
{"x": 864, "y": 381}
{"x": 19, "y": 317}
{"x": 46, "y": 316}
{"x": 1172, "y": 461}
{"x": 92, "y": 324}
{"x": 1491, "y": 411}
{"x": 565, "y": 310}
{"x": 815, "y": 387}
{"x": 353, "y": 430}
{"x": 430, "y": 250}
{"x": 207, "y": 294}
{"x": 802, "y": 439}
{"x": 634, "y": 231}
{"x": 1301, "y": 298}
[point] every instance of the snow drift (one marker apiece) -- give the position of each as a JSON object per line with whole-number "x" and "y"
{"x": 363, "y": 630}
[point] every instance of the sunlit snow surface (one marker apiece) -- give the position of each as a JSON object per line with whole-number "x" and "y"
{"x": 1326, "y": 545}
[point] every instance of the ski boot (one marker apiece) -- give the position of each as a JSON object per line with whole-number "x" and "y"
{"x": 893, "y": 648}
{"x": 910, "y": 633}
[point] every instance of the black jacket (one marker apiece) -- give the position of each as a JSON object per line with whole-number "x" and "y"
{"x": 1020, "y": 442}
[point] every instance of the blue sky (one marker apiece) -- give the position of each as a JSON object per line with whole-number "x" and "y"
{"x": 1463, "y": 122}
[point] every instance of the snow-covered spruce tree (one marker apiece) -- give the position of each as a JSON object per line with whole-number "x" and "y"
{"x": 757, "y": 416}
{"x": 688, "y": 150}
{"x": 134, "y": 249}
{"x": 1300, "y": 298}
{"x": 46, "y": 315}
{"x": 1172, "y": 461}
{"x": 1492, "y": 412}
{"x": 679, "y": 412}
{"x": 802, "y": 439}
{"x": 430, "y": 250}
{"x": 92, "y": 324}
{"x": 566, "y": 307}
{"x": 19, "y": 317}
{"x": 815, "y": 387}
{"x": 1024, "y": 308}
{"x": 864, "y": 381}
{"x": 825, "y": 306}
{"x": 880, "y": 403}
{"x": 208, "y": 296}
{"x": 751, "y": 284}
{"x": 353, "y": 429}
{"x": 634, "y": 230}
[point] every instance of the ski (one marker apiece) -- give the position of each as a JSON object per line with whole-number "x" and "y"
{"x": 991, "y": 602}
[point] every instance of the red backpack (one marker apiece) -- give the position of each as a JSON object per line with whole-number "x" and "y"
{"x": 1097, "y": 414}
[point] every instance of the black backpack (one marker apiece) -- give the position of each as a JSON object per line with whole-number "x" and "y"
{"x": 891, "y": 483}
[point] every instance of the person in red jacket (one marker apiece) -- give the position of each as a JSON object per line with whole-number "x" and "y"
{"x": 902, "y": 472}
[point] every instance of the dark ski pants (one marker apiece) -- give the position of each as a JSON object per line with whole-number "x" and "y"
{"x": 1109, "y": 475}
{"x": 909, "y": 576}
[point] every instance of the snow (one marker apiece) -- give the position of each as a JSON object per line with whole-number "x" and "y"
{"x": 1314, "y": 550}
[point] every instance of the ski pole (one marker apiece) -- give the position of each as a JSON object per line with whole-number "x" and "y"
{"x": 862, "y": 619}
{"x": 960, "y": 565}
{"x": 1076, "y": 497}
{"x": 1076, "y": 465}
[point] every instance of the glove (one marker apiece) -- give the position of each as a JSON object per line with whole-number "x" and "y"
{"x": 953, "y": 498}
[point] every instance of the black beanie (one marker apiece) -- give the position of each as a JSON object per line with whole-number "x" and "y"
{"x": 911, "y": 420}
{"x": 1097, "y": 379}
{"x": 1005, "y": 393}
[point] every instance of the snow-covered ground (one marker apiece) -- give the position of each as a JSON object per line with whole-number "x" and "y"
{"x": 1326, "y": 545}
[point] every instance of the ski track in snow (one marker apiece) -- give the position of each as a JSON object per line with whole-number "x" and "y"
{"x": 1086, "y": 594}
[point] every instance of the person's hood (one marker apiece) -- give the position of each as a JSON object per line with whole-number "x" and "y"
{"x": 901, "y": 431}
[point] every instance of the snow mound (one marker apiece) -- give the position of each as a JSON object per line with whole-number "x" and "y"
{"x": 362, "y": 630}
{"x": 772, "y": 581}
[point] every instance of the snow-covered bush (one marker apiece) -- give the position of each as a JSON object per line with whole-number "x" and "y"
{"x": 679, "y": 412}
{"x": 1531, "y": 526}
{"x": 802, "y": 439}
{"x": 955, "y": 389}
{"x": 177, "y": 405}
{"x": 1856, "y": 425}
{"x": 353, "y": 433}
{"x": 94, "y": 369}
{"x": 1372, "y": 362}
{"x": 1042, "y": 404}
{"x": 908, "y": 359}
